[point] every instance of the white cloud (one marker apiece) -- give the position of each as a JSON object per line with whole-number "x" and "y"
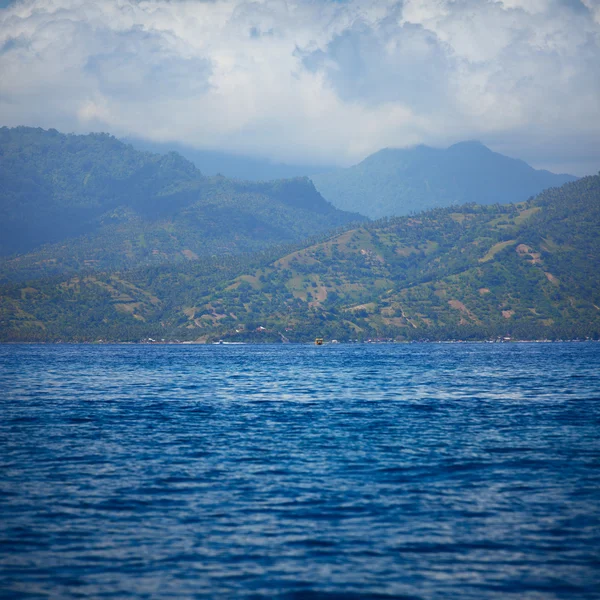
{"x": 311, "y": 80}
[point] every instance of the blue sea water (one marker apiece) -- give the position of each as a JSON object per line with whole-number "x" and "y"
{"x": 418, "y": 471}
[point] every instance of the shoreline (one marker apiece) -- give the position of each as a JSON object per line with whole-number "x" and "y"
{"x": 308, "y": 343}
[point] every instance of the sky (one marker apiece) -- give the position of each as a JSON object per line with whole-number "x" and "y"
{"x": 312, "y": 81}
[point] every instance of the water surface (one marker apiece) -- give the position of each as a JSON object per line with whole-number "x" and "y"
{"x": 354, "y": 471}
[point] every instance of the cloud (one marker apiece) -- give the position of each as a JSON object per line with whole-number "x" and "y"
{"x": 311, "y": 80}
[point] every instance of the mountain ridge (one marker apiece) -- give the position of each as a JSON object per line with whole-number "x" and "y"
{"x": 69, "y": 202}
{"x": 397, "y": 181}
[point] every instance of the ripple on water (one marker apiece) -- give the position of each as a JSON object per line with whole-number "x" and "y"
{"x": 398, "y": 471}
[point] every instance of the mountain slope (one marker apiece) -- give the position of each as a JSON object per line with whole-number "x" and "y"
{"x": 70, "y": 202}
{"x": 54, "y": 186}
{"x": 528, "y": 270}
{"x": 395, "y": 182}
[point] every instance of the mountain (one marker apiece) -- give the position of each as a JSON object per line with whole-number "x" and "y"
{"x": 237, "y": 166}
{"x": 69, "y": 202}
{"x": 55, "y": 186}
{"x": 527, "y": 270}
{"x": 394, "y": 182}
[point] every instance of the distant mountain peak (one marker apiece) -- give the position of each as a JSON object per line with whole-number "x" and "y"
{"x": 468, "y": 145}
{"x": 395, "y": 182}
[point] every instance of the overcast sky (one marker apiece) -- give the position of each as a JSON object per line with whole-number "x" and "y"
{"x": 312, "y": 80}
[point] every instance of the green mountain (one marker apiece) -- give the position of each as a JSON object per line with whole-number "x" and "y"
{"x": 69, "y": 202}
{"x": 394, "y": 182}
{"x": 527, "y": 270}
{"x": 55, "y": 186}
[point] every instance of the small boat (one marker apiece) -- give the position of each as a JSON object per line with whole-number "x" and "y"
{"x": 318, "y": 341}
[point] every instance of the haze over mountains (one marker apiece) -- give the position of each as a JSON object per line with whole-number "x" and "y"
{"x": 402, "y": 181}
{"x": 70, "y": 202}
{"x": 393, "y": 181}
{"x": 235, "y": 166}
{"x": 119, "y": 244}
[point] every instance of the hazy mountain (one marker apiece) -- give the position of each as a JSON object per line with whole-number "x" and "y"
{"x": 91, "y": 201}
{"x": 53, "y": 186}
{"x": 238, "y": 166}
{"x": 528, "y": 270}
{"x": 395, "y": 182}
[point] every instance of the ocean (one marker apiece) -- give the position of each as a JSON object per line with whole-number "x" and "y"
{"x": 410, "y": 471}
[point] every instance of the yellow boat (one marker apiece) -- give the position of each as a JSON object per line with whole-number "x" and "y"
{"x": 319, "y": 342}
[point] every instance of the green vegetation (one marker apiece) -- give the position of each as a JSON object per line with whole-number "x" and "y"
{"x": 151, "y": 301}
{"x": 71, "y": 202}
{"x": 526, "y": 270}
{"x": 396, "y": 182}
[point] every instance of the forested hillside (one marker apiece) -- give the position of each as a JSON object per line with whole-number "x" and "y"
{"x": 55, "y": 186}
{"x": 394, "y": 182}
{"x": 69, "y": 202}
{"x": 527, "y": 270}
